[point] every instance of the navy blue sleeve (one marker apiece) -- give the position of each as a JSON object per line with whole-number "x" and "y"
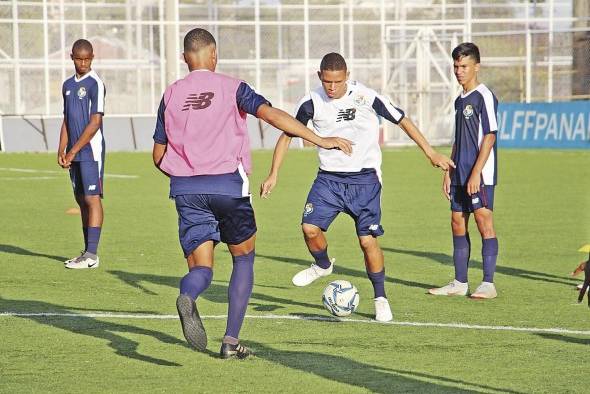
{"x": 248, "y": 100}
{"x": 384, "y": 108}
{"x": 305, "y": 112}
{"x": 160, "y": 132}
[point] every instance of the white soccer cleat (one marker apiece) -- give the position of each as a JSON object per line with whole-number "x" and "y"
{"x": 452, "y": 289}
{"x": 73, "y": 258}
{"x": 382, "y": 310}
{"x": 486, "y": 290}
{"x": 83, "y": 263}
{"x": 308, "y": 275}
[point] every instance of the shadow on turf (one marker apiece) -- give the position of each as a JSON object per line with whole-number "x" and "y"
{"x": 510, "y": 271}
{"x": 90, "y": 326}
{"x": 565, "y": 338}
{"x": 215, "y": 293}
{"x": 370, "y": 377}
{"x": 346, "y": 271}
{"x": 24, "y": 252}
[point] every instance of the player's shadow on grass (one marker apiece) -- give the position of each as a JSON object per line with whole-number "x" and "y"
{"x": 509, "y": 271}
{"x": 565, "y": 338}
{"x": 24, "y": 252}
{"x": 370, "y": 377}
{"x": 90, "y": 326}
{"x": 346, "y": 271}
{"x": 216, "y": 292}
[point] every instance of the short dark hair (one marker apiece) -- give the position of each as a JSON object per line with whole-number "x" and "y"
{"x": 466, "y": 49}
{"x": 196, "y": 39}
{"x": 333, "y": 62}
{"x": 82, "y": 44}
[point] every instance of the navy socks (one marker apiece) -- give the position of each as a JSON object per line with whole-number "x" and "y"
{"x": 93, "y": 238}
{"x": 461, "y": 251}
{"x": 239, "y": 291}
{"x": 378, "y": 281}
{"x": 196, "y": 281}
{"x": 489, "y": 254}
{"x": 321, "y": 258}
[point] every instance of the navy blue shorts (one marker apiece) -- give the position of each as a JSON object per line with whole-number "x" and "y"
{"x": 213, "y": 217}
{"x": 463, "y": 202}
{"x": 86, "y": 177}
{"x": 328, "y": 198}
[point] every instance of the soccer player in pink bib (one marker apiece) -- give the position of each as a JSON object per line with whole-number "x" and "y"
{"x": 201, "y": 142}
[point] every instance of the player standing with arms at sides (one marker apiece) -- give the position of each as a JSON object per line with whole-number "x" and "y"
{"x": 82, "y": 148}
{"x": 349, "y": 184}
{"x": 470, "y": 186}
{"x": 201, "y": 142}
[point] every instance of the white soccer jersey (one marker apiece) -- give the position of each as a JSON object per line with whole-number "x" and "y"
{"x": 354, "y": 116}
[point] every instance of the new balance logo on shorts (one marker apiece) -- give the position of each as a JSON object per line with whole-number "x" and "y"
{"x": 346, "y": 114}
{"x": 198, "y": 101}
{"x": 92, "y": 187}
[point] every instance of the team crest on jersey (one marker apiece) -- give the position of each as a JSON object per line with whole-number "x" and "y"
{"x": 81, "y": 92}
{"x": 360, "y": 100}
{"x": 308, "y": 209}
{"x": 468, "y": 111}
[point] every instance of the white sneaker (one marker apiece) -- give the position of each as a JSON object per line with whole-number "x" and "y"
{"x": 453, "y": 288}
{"x": 83, "y": 262}
{"x": 382, "y": 309}
{"x": 486, "y": 290}
{"x": 73, "y": 258}
{"x": 308, "y": 275}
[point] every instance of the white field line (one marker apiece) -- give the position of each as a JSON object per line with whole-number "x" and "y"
{"x": 34, "y": 171}
{"x": 463, "y": 326}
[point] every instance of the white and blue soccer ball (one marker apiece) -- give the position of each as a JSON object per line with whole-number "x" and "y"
{"x": 341, "y": 298}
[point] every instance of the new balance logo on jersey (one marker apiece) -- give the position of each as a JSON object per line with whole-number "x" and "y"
{"x": 346, "y": 114}
{"x": 198, "y": 101}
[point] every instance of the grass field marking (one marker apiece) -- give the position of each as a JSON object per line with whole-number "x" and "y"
{"x": 463, "y": 326}
{"x": 35, "y": 171}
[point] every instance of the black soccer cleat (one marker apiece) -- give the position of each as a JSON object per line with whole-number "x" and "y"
{"x": 192, "y": 327}
{"x": 234, "y": 351}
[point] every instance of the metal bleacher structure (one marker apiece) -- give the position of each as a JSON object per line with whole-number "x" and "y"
{"x": 533, "y": 51}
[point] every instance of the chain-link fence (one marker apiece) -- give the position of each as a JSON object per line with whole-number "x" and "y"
{"x": 531, "y": 50}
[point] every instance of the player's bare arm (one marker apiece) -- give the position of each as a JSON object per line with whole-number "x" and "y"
{"x": 89, "y": 132}
{"x": 63, "y": 143}
{"x": 285, "y": 122}
{"x": 158, "y": 152}
{"x": 278, "y": 156}
{"x": 446, "y": 186}
{"x": 474, "y": 182}
{"x": 436, "y": 159}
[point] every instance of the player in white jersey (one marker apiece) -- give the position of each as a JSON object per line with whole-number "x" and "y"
{"x": 349, "y": 184}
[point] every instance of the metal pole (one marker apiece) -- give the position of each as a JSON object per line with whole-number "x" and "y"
{"x": 280, "y": 55}
{"x": 257, "y": 43}
{"x": 350, "y": 39}
{"x": 62, "y": 37}
{"x": 306, "y": 44}
{"x": 163, "y": 63}
{"x": 46, "y": 59}
{"x": 15, "y": 45}
{"x": 528, "y": 69}
{"x": 138, "y": 46}
{"x": 550, "y": 65}
{"x": 171, "y": 28}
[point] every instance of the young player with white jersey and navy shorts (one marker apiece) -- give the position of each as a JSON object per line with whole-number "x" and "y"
{"x": 470, "y": 186}
{"x": 349, "y": 184}
{"x": 201, "y": 142}
{"x": 82, "y": 148}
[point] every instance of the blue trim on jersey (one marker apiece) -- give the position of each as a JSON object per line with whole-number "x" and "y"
{"x": 366, "y": 176}
{"x": 248, "y": 100}
{"x": 305, "y": 112}
{"x": 222, "y": 184}
{"x": 160, "y": 131}
{"x": 381, "y": 110}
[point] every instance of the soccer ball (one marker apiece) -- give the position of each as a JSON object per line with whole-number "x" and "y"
{"x": 340, "y": 298}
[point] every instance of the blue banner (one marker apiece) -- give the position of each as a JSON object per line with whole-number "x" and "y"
{"x": 544, "y": 125}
